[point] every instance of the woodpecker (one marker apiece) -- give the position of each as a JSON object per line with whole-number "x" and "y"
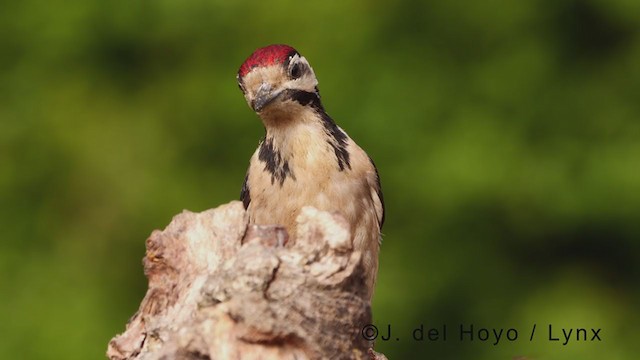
{"x": 304, "y": 157}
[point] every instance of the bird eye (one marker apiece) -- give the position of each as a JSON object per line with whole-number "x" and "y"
{"x": 295, "y": 71}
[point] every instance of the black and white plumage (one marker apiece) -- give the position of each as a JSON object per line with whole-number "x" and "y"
{"x": 305, "y": 158}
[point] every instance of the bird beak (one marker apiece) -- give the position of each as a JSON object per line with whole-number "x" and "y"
{"x": 264, "y": 96}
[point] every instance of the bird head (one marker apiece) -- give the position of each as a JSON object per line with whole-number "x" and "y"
{"x": 277, "y": 80}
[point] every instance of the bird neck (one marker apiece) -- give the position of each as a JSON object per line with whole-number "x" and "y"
{"x": 310, "y": 136}
{"x": 293, "y": 133}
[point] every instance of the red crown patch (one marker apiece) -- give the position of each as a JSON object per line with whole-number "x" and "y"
{"x": 268, "y": 55}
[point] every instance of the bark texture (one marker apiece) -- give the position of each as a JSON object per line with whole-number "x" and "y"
{"x": 219, "y": 289}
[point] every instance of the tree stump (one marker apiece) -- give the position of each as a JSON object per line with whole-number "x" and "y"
{"x": 220, "y": 289}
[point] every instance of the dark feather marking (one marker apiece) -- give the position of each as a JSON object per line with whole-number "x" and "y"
{"x": 338, "y": 137}
{"x": 290, "y": 55}
{"x": 306, "y": 98}
{"x": 245, "y": 196}
{"x": 339, "y": 141}
{"x": 379, "y": 192}
{"x": 274, "y": 164}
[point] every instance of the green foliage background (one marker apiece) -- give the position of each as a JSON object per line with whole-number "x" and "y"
{"x": 506, "y": 135}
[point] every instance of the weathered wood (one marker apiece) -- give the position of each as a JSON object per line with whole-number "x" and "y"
{"x": 219, "y": 289}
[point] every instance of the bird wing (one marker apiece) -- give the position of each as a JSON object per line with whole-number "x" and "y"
{"x": 376, "y": 193}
